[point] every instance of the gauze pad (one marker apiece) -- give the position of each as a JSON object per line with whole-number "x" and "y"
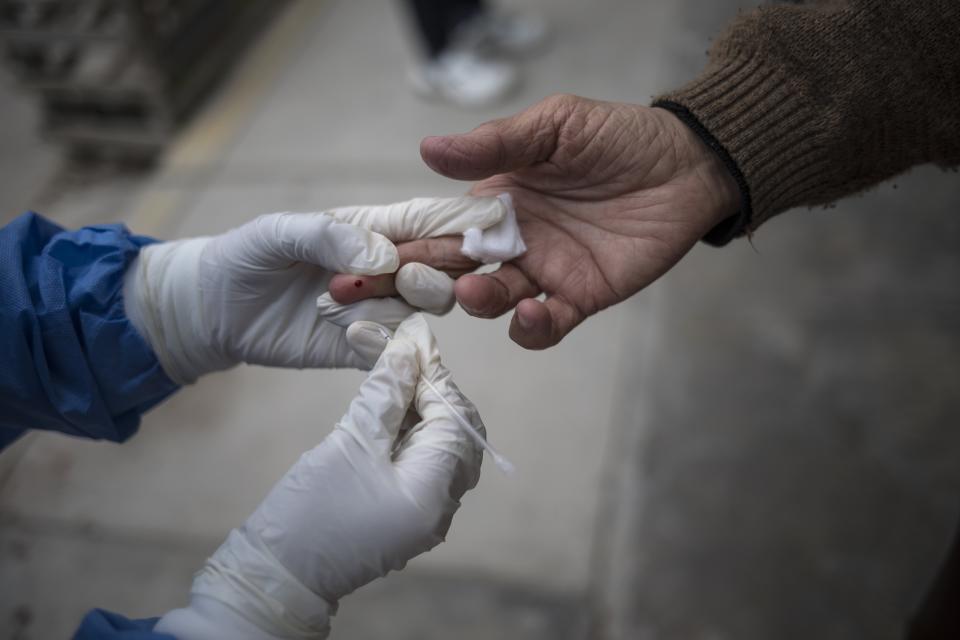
{"x": 499, "y": 243}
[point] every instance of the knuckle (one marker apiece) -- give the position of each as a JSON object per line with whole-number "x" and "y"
{"x": 434, "y": 253}
{"x": 444, "y": 253}
{"x": 559, "y": 99}
{"x": 562, "y": 103}
{"x": 266, "y": 223}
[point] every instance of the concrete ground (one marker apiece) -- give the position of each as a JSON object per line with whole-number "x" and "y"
{"x": 760, "y": 445}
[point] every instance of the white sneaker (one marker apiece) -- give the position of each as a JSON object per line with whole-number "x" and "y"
{"x": 465, "y": 78}
{"x": 510, "y": 34}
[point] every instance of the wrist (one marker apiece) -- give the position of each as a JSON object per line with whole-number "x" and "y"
{"x": 727, "y": 204}
{"x": 252, "y": 590}
{"x": 721, "y": 184}
{"x": 162, "y": 299}
{"x": 209, "y": 619}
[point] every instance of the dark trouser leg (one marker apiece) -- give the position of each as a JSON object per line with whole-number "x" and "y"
{"x": 438, "y": 19}
{"x": 938, "y": 618}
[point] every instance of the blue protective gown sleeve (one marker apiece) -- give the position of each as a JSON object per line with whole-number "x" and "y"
{"x": 72, "y": 360}
{"x": 103, "y": 625}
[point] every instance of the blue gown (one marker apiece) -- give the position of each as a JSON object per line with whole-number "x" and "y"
{"x": 72, "y": 361}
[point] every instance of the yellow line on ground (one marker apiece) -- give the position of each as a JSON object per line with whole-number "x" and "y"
{"x": 204, "y": 140}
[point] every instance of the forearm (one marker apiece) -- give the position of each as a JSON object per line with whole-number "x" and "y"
{"x": 73, "y": 362}
{"x": 816, "y": 102}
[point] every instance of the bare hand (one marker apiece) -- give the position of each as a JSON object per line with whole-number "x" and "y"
{"x": 609, "y": 196}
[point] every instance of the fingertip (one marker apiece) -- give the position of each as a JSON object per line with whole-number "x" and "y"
{"x": 416, "y": 330}
{"x": 460, "y": 156}
{"x": 367, "y": 340}
{"x": 430, "y": 152}
{"x": 475, "y": 295}
{"x": 532, "y": 325}
{"x": 401, "y": 356}
{"x": 348, "y": 289}
{"x": 425, "y": 287}
{"x": 381, "y": 257}
{"x": 385, "y": 396}
{"x": 427, "y": 146}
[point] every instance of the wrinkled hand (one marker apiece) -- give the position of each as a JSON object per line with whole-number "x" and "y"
{"x": 609, "y": 196}
{"x": 363, "y": 502}
{"x": 250, "y": 295}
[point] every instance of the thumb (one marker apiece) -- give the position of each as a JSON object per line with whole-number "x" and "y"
{"x": 415, "y": 330}
{"x": 426, "y": 288}
{"x": 438, "y": 456}
{"x": 367, "y": 340}
{"x": 389, "y": 312}
{"x": 376, "y": 414}
{"x": 500, "y": 145}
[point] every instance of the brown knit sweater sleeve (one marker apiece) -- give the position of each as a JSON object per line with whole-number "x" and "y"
{"x": 807, "y": 104}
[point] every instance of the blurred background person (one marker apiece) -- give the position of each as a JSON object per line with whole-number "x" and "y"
{"x": 468, "y": 46}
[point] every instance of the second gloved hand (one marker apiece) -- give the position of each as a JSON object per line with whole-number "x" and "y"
{"x": 362, "y": 503}
{"x": 249, "y": 295}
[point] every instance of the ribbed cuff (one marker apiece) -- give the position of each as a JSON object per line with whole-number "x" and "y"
{"x": 735, "y": 225}
{"x": 755, "y": 115}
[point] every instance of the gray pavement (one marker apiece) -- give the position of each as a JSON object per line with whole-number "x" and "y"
{"x": 793, "y": 472}
{"x": 757, "y": 446}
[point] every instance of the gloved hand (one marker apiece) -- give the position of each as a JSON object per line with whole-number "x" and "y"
{"x": 249, "y": 295}
{"x": 360, "y": 504}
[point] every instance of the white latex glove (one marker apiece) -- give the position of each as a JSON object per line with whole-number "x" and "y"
{"x": 360, "y": 504}
{"x": 249, "y": 295}
{"x": 419, "y": 284}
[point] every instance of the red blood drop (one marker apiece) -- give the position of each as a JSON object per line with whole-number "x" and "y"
{"x": 358, "y": 283}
